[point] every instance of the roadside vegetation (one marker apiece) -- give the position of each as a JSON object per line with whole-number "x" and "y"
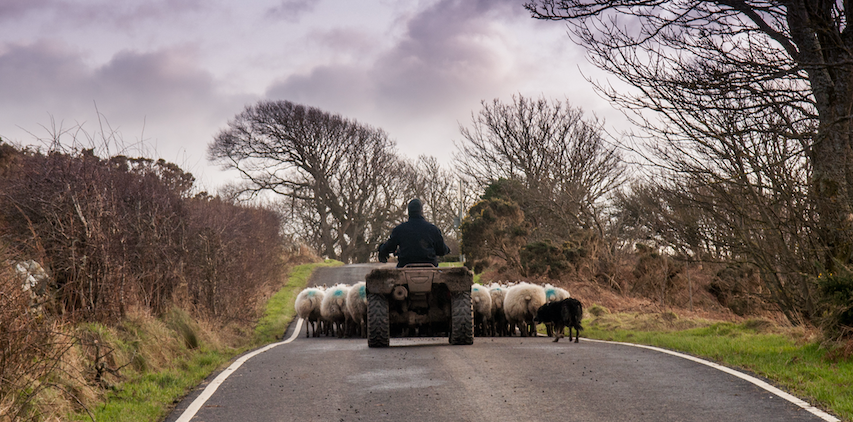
{"x": 123, "y": 286}
{"x": 148, "y": 393}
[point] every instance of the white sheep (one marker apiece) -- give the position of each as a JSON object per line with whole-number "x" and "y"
{"x": 555, "y": 294}
{"x": 308, "y": 308}
{"x": 520, "y": 306}
{"x": 357, "y": 307}
{"x": 333, "y": 308}
{"x": 481, "y": 301}
{"x": 499, "y": 324}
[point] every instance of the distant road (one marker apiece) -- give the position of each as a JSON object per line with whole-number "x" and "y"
{"x": 347, "y": 274}
{"x": 495, "y": 379}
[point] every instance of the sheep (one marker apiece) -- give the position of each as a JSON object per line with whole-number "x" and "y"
{"x": 499, "y": 326}
{"x": 481, "y": 301}
{"x": 308, "y": 308}
{"x": 333, "y": 308}
{"x": 520, "y": 306}
{"x": 357, "y": 307}
{"x": 555, "y": 294}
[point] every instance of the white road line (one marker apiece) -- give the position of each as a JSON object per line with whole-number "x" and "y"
{"x": 211, "y": 388}
{"x": 799, "y": 402}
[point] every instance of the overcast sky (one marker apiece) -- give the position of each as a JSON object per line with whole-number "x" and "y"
{"x": 171, "y": 73}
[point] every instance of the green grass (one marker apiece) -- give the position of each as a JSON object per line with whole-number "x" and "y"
{"x": 148, "y": 396}
{"x": 280, "y": 308}
{"x": 805, "y": 369}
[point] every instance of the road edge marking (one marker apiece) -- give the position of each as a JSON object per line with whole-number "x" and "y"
{"x": 211, "y": 388}
{"x": 791, "y": 398}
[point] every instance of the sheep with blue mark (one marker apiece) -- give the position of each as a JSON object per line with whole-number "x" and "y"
{"x": 308, "y": 308}
{"x": 555, "y": 294}
{"x": 500, "y": 326}
{"x": 333, "y": 308}
{"x": 357, "y": 307}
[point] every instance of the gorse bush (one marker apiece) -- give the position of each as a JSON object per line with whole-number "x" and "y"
{"x": 836, "y": 289}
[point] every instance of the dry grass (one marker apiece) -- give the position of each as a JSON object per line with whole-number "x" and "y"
{"x": 94, "y": 361}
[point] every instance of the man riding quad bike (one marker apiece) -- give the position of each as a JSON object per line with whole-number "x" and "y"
{"x": 417, "y": 296}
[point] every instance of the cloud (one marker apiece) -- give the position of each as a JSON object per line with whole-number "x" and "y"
{"x": 162, "y": 98}
{"x": 121, "y": 13}
{"x": 291, "y": 10}
{"x": 449, "y": 51}
{"x": 448, "y": 57}
{"x": 10, "y": 9}
{"x": 51, "y": 74}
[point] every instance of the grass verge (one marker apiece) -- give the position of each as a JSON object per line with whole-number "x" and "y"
{"x": 170, "y": 365}
{"x": 787, "y": 357}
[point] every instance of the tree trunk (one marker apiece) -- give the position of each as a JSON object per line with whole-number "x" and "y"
{"x": 824, "y": 54}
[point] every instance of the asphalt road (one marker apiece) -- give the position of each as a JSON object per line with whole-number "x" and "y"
{"x": 347, "y": 274}
{"x": 495, "y": 379}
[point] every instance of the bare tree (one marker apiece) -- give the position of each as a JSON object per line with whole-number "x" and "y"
{"x": 746, "y": 106}
{"x": 784, "y": 65}
{"x": 339, "y": 176}
{"x": 563, "y": 166}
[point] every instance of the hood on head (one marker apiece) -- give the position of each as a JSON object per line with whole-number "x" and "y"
{"x": 416, "y": 208}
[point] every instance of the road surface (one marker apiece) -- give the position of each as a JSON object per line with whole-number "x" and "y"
{"x": 495, "y": 379}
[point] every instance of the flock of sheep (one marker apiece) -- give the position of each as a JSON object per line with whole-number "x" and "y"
{"x": 499, "y": 309}
{"x": 338, "y": 310}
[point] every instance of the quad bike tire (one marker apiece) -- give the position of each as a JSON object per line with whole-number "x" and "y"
{"x": 462, "y": 319}
{"x": 378, "y": 324}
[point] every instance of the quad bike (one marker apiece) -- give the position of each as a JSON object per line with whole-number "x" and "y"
{"x": 419, "y": 298}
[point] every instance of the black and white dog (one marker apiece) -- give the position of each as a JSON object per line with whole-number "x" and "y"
{"x": 563, "y": 313}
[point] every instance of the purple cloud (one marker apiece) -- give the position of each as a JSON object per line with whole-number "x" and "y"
{"x": 443, "y": 56}
{"x": 291, "y": 10}
{"x": 105, "y": 11}
{"x": 162, "y": 98}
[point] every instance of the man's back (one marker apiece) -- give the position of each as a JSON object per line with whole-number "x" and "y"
{"x": 415, "y": 241}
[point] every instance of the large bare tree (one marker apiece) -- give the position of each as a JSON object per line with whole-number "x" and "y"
{"x": 784, "y": 65}
{"x": 340, "y": 177}
{"x": 559, "y": 161}
{"x": 747, "y": 105}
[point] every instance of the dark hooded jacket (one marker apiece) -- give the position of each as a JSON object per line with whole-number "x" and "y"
{"x": 416, "y": 241}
